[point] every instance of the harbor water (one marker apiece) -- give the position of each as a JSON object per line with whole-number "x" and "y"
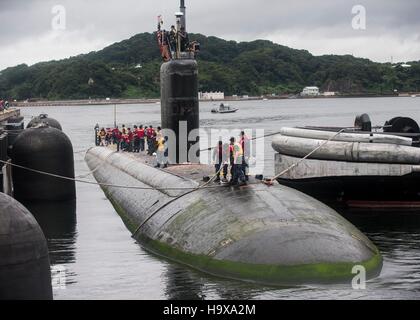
{"x": 98, "y": 259}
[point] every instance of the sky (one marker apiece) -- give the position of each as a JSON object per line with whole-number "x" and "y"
{"x": 381, "y": 30}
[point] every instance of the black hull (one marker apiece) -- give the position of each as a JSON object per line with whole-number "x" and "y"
{"x": 363, "y": 192}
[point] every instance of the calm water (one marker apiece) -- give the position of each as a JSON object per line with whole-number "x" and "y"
{"x": 104, "y": 262}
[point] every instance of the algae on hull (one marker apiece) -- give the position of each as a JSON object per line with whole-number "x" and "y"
{"x": 270, "y": 235}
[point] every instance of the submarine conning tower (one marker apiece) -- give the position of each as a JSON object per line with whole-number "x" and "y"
{"x": 179, "y": 98}
{"x": 180, "y": 106}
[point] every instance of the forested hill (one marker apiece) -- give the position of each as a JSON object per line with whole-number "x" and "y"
{"x": 130, "y": 69}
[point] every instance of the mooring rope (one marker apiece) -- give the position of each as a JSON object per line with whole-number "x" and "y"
{"x": 191, "y": 189}
{"x": 306, "y": 157}
{"x": 97, "y": 168}
{"x": 252, "y": 139}
{"x": 101, "y": 184}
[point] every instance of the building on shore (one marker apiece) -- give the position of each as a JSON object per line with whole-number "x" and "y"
{"x": 310, "y": 92}
{"x": 211, "y": 95}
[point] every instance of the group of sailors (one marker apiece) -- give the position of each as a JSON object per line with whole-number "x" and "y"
{"x": 139, "y": 139}
{"x": 4, "y": 105}
{"x": 235, "y": 154}
{"x": 174, "y": 42}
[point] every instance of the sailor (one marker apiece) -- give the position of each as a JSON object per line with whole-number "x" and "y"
{"x": 97, "y": 139}
{"x": 140, "y": 136}
{"x": 125, "y": 145}
{"x": 236, "y": 158}
{"x": 163, "y": 41}
{"x": 194, "y": 47}
{"x": 102, "y": 137}
{"x": 114, "y": 135}
{"x": 184, "y": 38}
{"x": 158, "y": 133}
{"x": 220, "y": 158}
{"x": 161, "y": 153}
{"x": 173, "y": 40}
{"x": 151, "y": 140}
{"x": 244, "y": 141}
{"x": 117, "y": 138}
{"x": 136, "y": 140}
{"x": 108, "y": 136}
{"x": 130, "y": 140}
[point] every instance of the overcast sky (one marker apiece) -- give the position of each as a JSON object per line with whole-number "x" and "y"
{"x": 320, "y": 26}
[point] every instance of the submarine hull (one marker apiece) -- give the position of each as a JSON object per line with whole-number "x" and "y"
{"x": 24, "y": 264}
{"x": 271, "y": 235}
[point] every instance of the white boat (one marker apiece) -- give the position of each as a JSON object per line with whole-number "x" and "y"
{"x": 224, "y": 108}
{"x": 355, "y": 166}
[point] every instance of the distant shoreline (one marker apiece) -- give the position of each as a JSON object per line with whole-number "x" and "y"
{"x": 102, "y": 102}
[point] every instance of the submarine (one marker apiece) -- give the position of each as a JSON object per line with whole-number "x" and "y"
{"x": 259, "y": 233}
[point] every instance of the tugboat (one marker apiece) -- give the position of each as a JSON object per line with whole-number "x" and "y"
{"x": 224, "y": 108}
{"x": 358, "y": 167}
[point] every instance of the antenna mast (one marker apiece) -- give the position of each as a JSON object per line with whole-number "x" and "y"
{"x": 184, "y": 17}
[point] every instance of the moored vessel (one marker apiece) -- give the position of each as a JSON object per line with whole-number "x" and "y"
{"x": 354, "y": 166}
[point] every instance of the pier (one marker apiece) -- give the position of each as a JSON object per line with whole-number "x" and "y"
{"x": 7, "y": 114}
{"x": 5, "y": 171}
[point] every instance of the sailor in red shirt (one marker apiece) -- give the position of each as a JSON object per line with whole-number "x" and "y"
{"x": 116, "y": 135}
{"x": 151, "y": 140}
{"x": 130, "y": 141}
{"x": 141, "y": 133}
{"x": 136, "y": 142}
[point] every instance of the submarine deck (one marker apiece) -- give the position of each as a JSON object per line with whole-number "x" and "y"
{"x": 270, "y": 235}
{"x": 195, "y": 172}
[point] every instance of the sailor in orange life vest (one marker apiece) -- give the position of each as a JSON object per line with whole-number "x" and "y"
{"x": 220, "y": 158}
{"x": 236, "y": 162}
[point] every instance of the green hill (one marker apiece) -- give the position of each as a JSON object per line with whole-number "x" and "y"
{"x": 130, "y": 69}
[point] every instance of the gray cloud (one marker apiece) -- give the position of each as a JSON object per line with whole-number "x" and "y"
{"x": 320, "y": 26}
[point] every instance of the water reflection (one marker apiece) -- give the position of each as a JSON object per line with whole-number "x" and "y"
{"x": 388, "y": 223}
{"x": 58, "y": 222}
{"x": 181, "y": 285}
{"x": 188, "y": 284}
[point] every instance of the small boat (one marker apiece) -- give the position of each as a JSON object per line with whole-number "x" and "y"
{"x": 414, "y": 96}
{"x": 224, "y": 108}
{"x": 356, "y": 167}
